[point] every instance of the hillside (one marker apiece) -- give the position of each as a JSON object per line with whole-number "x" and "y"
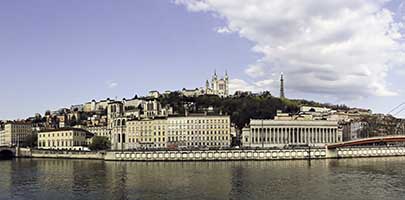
{"x": 240, "y": 107}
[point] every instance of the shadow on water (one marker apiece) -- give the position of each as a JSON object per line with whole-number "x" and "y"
{"x": 6, "y": 155}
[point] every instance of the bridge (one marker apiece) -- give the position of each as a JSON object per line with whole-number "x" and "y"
{"x": 7, "y": 152}
{"x": 368, "y": 141}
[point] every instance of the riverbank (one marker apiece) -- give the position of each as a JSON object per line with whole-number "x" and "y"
{"x": 219, "y": 155}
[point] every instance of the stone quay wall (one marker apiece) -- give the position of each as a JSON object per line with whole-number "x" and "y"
{"x": 223, "y": 155}
{"x": 67, "y": 154}
{"x": 370, "y": 152}
{"x": 217, "y": 155}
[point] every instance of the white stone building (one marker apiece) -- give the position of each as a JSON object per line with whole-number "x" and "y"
{"x": 2, "y": 142}
{"x": 64, "y": 139}
{"x": 15, "y": 133}
{"x": 147, "y": 133}
{"x": 199, "y": 131}
{"x": 102, "y": 131}
{"x": 173, "y": 132}
{"x": 278, "y": 133}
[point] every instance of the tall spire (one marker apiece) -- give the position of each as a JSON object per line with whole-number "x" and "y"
{"x": 282, "y": 86}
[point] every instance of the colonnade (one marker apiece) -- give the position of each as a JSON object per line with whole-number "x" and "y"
{"x": 294, "y": 135}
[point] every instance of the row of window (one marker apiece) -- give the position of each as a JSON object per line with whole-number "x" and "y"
{"x": 197, "y": 144}
{"x": 184, "y": 138}
{"x": 63, "y": 134}
{"x": 58, "y": 143}
{"x": 199, "y": 121}
{"x": 294, "y": 137}
{"x": 197, "y": 132}
{"x": 133, "y": 140}
{"x": 278, "y": 130}
{"x": 197, "y": 127}
{"x": 212, "y": 126}
{"x": 148, "y": 134}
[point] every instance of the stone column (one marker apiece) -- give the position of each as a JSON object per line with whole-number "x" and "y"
{"x": 330, "y": 135}
{"x": 271, "y": 135}
{"x": 323, "y": 135}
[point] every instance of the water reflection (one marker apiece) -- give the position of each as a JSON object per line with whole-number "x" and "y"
{"x": 377, "y": 178}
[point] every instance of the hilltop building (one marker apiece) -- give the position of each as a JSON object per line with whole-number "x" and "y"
{"x": 217, "y": 86}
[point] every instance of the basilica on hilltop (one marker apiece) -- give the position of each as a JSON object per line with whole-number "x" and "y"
{"x": 217, "y": 86}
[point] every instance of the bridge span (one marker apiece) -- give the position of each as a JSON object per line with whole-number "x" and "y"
{"x": 7, "y": 152}
{"x": 368, "y": 141}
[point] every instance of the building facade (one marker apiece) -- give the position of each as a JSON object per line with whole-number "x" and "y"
{"x": 352, "y": 130}
{"x": 102, "y": 131}
{"x": 119, "y": 136}
{"x": 147, "y": 133}
{"x": 64, "y": 139}
{"x": 15, "y": 133}
{"x": 2, "y": 142}
{"x": 198, "y": 131}
{"x": 279, "y": 133}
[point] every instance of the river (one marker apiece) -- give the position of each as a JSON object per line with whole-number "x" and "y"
{"x": 367, "y": 178}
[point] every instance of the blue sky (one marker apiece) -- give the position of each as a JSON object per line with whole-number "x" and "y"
{"x": 57, "y": 53}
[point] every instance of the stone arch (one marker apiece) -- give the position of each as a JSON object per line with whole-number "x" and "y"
{"x": 6, "y": 154}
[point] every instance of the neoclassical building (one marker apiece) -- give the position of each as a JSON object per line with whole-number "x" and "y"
{"x": 281, "y": 133}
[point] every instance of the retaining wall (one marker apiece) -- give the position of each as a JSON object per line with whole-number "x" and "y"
{"x": 222, "y": 155}
{"x": 67, "y": 154}
{"x": 370, "y": 152}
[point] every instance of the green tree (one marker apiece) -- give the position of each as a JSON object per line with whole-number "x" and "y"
{"x": 31, "y": 140}
{"x": 100, "y": 143}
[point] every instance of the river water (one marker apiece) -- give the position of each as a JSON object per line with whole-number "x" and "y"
{"x": 367, "y": 178}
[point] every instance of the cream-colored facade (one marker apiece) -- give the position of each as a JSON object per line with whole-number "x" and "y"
{"x": 278, "y": 133}
{"x": 119, "y": 137}
{"x": 2, "y": 143}
{"x": 15, "y": 133}
{"x": 198, "y": 131}
{"x": 100, "y": 131}
{"x": 172, "y": 132}
{"x": 64, "y": 139}
{"x": 146, "y": 133}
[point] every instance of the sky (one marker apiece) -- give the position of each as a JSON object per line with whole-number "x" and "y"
{"x": 54, "y": 54}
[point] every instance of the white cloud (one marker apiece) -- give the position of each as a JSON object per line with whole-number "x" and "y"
{"x": 342, "y": 48}
{"x": 111, "y": 84}
{"x": 241, "y": 85}
{"x": 267, "y": 83}
{"x": 223, "y": 30}
{"x": 256, "y": 70}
